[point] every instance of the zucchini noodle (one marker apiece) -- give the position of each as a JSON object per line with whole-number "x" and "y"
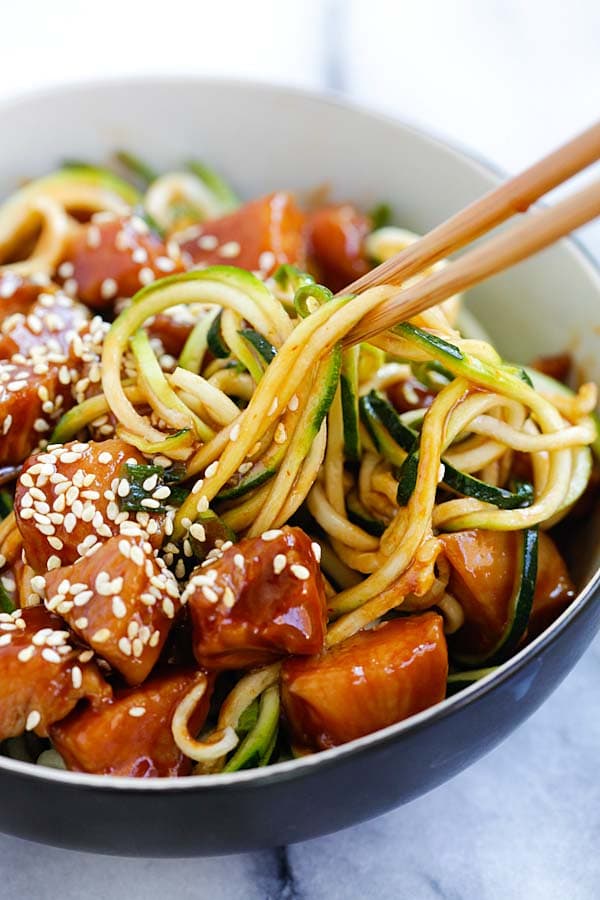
{"x": 273, "y": 416}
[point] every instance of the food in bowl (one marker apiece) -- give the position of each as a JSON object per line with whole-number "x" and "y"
{"x": 230, "y": 538}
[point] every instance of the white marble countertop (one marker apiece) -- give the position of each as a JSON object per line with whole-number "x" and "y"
{"x": 508, "y": 78}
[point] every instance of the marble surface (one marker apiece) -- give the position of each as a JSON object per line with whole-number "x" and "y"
{"x": 509, "y": 78}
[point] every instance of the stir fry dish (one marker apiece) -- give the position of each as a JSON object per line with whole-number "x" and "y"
{"x": 230, "y": 535}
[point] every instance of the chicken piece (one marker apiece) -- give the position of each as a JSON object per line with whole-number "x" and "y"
{"x": 121, "y": 600}
{"x": 482, "y": 580}
{"x": 259, "y": 236}
{"x": 18, "y": 294}
{"x": 371, "y": 680}
{"x": 32, "y": 398}
{"x": 111, "y": 258}
{"x": 263, "y": 598}
{"x": 66, "y": 500}
{"x": 335, "y": 240}
{"x": 49, "y": 326}
{"x": 131, "y": 735}
{"x": 42, "y": 675}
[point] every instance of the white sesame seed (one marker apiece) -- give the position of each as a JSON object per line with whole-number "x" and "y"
{"x": 53, "y": 563}
{"x": 105, "y": 457}
{"x": 300, "y": 572}
{"x": 211, "y": 469}
{"x": 279, "y": 563}
{"x": 101, "y": 636}
{"x": 239, "y": 561}
{"x": 316, "y": 549}
{"x": 229, "y": 250}
{"x": 118, "y": 607}
{"x": 33, "y": 720}
{"x": 108, "y": 289}
{"x": 26, "y": 653}
{"x": 81, "y": 622}
{"x": 76, "y": 677}
{"x": 266, "y": 260}
{"x": 146, "y": 275}
{"x": 137, "y": 711}
{"x": 273, "y": 407}
{"x": 125, "y": 646}
{"x": 272, "y": 534}
{"x": 208, "y": 242}
{"x": 235, "y": 432}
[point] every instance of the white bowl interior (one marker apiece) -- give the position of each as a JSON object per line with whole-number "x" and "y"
{"x": 262, "y": 137}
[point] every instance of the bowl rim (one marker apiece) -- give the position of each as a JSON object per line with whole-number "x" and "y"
{"x": 297, "y": 768}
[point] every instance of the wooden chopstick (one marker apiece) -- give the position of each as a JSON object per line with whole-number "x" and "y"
{"x": 513, "y": 196}
{"x": 530, "y": 235}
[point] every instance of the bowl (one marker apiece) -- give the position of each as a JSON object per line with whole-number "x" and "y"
{"x": 262, "y": 138}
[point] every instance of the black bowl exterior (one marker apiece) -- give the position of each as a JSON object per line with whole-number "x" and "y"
{"x": 292, "y": 803}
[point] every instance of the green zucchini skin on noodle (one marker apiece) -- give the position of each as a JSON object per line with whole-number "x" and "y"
{"x": 520, "y": 605}
{"x": 395, "y": 439}
{"x": 257, "y": 747}
{"x": 349, "y": 397}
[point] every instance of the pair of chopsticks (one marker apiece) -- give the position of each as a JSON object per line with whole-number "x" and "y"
{"x": 529, "y": 235}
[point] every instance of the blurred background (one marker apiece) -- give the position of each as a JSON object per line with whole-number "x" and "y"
{"x": 508, "y": 79}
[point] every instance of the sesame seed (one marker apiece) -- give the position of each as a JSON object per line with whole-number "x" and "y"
{"x": 108, "y": 289}
{"x": 235, "y": 432}
{"x": 137, "y": 711}
{"x": 139, "y": 255}
{"x": 316, "y": 549}
{"x": 50, "y": 655}
{"x": 202, "y": 504}
{"x": 5, "y": 640}
{"x": 198, "y": 532}
{"x": 81, "y": 622}
{"x": 209, "y": 593}
{"x": 279, "y": 563}
{"x": 123, "y": 488}
{"x": 53, "y": 562}
{"x": 239, "y": 561}
{"x": 208, "y": 242}
{"x": 137, "y": 555}
{"x": 212, "y": 469}
{"x": 273, "y": 407}
{"x": 272, "y": 534}
{"x": 229, "y": 250}
{"x": 66, "y": 269}
{"x": 300, "y": 572}
{"x": 137, "y": 647}
{"x": 105, "y": 457}
{"x": 26, "y": 654}
{"x": 146, "y": 275}
{"x": 229, "y": 597}
{"x": 266, "y": 260}
{"x": 93, "y": 237}
{"x": 76, "y": 677}
{"x": 164, "y": 264}
{"x": 125, "y": 646}
{"x": 118, "y": 607}
{"x": 150, "y": 483}
{"x": 38, "y": 583}
{"x": 101, "y": 636}
{"x": 33, "y": 720}
{"x": 85, "y": 656}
